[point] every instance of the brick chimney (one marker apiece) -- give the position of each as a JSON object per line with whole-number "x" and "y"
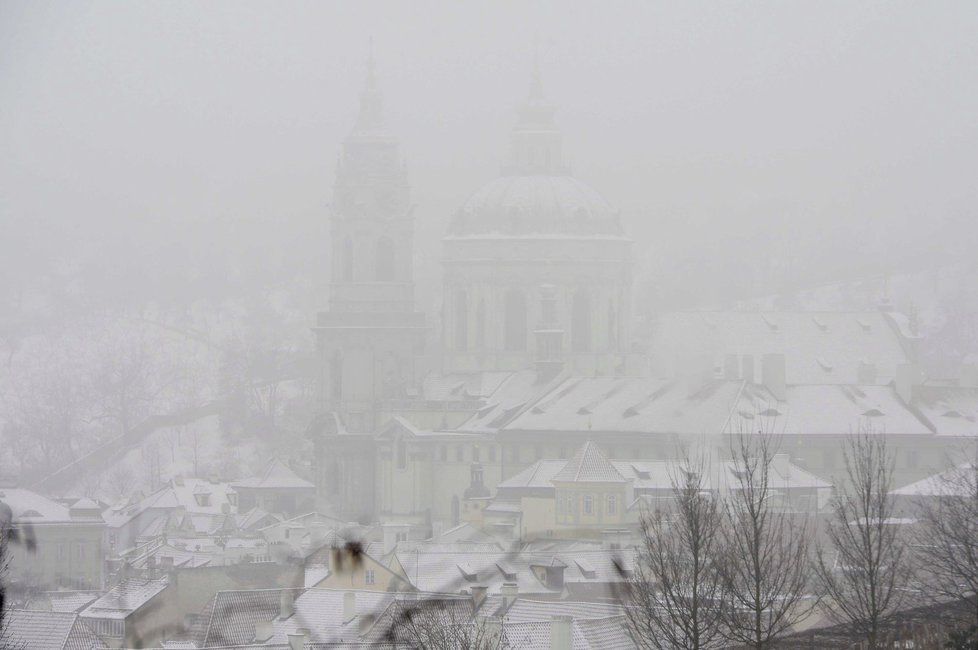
{"x": 773, "y": 375}
{"x": 286, "y": 604}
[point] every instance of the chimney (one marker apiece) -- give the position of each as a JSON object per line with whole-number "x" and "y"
{"x": 493, "y": 628}
{"x": 297, "y": 639}
{"x": 697, "y": 372}
{"x": 772, "y": 375}
{"x": 478, "y": 596}
{"x": 906, "y": 379}
{"x": 747, "y": 368}
{"x": 509, "y": 592}
{"x": 263, "y": 631}
{"x": 560, "y": 633}
{"x": 866, "y": 375}
{"x": 731, "y": 369}
{"x": 349, "y": 606}
{"x": 366, "y": 622}
{"x": 286, "y": 604}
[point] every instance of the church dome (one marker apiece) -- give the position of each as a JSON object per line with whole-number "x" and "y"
{"x": 536, "y": 204}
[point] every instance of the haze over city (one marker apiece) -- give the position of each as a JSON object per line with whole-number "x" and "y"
{"x": 473, "y": 325}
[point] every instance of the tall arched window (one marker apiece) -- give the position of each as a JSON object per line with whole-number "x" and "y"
{"x": 515, "y": 321}
{"x": 401, "y": 454}
{"x": 461, "y": 320}
{"x": 581, "y": 322}
{"x": 384, "y": 266}
{"x": 480, "y": 324}
{"x": 612, "y": 325}
{"x": 346, "y": 260}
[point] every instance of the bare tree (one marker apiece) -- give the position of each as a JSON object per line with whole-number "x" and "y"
{"x": 864, "y": 570}
{"x": 766, "y": 567}
{"x": 947, "y": 542}
{"x": 672, "y": 595}
{"x": 441, "y": 622}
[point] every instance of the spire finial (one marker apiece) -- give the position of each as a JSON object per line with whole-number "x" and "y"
{"x": 371, "y": 116}
{"x": 536, "y": 83}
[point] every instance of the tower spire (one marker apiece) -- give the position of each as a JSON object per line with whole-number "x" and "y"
{"x": 371, "y": 117}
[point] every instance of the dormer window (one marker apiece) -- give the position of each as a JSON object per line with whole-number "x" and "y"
{"x": 203, "y": 499}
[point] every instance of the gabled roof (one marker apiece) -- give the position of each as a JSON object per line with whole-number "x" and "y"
{"x": 589, "y": 465}
{"x": 277, "y": 475}
{"x": 956, "y": 481}
{"x": 125, "y": 598}
{"x": 36, "y": 630}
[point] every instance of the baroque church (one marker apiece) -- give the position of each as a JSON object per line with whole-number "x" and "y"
{"x": 537, "y": 284}
{"x": 536, "y": 357}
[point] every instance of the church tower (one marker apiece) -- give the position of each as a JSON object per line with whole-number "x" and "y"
{"x": 370, "y": 334}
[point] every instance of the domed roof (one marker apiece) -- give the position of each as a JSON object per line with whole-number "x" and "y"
{"x": 536, "y": 204}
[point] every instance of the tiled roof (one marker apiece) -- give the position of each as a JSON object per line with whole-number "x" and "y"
{"x": 589, "y": 465}
{"x": 277, "y": 475}
{"x": 68, "y": 601}
{"x": 35, "y": 630}
{"x": 524, "y": 610}
{"x": 957, "y": 481}
{"x": 29, "y": 506}
{"x": 125, "y": 598}
{"x": 810, "y": 341}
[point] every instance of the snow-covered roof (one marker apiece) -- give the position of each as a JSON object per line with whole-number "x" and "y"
{"x": 819, "y": 347}
{"x": 589, "y": 465}
{"x": 956, "y": 481}
{"x": 276, "y": 475}
{"x": 125, "y": 598}
{"x": 31, "y": 629}
{"x": 28, "y": 506}
{"x": 629, "y": 404}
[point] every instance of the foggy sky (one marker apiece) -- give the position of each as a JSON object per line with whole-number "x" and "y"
{"x": 132, "y": 133}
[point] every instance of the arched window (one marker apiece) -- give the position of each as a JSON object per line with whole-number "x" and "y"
{"x": 461, "y": 320}
{"x": 612, "y": 325}
{"x": 346, "y": 260}
{"x": 401, "y": 454}
{"x": 581, "y": 322}
{"x": 384, "y": 267}
{"x": 480, "y": 325}
{"x": 515, "y": 321}
{"x": 455, "y": 511}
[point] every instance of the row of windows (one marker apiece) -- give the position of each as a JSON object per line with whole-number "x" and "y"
{"x": 515, "y": 321}
{"x": 400, "y": 452}
{"x": 567, "y": 504}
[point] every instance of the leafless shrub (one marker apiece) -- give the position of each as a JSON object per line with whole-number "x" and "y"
{"x": 766, "y": 567}
{"x": 863, "y": 572}
{"x": 672, "y": 595}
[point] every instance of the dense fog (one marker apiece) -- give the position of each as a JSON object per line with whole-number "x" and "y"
{"x": 302, "y": 303}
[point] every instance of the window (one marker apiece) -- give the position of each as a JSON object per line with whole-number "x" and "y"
{"x": 80, "y": 551}
{"x": 514, "y": 454}
{"x": 444, "y": 453}
{"x": 612, "y": 325}
{"x": 588, "y": 504}
{"x": 492, "y": 453}
{"x": 581, "y": 322}
{"x": 476, "y": 454}
{"x": 346, "y": 261}
{"x": 369, "y": 577}
{"x": 384, "y": 264}
{"x": 336, "y": 376}
{"x": 480, "y": 325}
{"x": 515, "y": 321}
{"x": 538, "y": 452}
{"x": 612, "y": 504}
{"x": 461, "y": 320}
{"x": 460, "y": 453}
{"x": 401, "y": 454}
{"x": 203, "y": 499}
{"x": 563, "y": 452}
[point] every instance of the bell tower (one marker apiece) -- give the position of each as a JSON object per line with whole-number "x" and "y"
{"x": 370, "y": 334}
